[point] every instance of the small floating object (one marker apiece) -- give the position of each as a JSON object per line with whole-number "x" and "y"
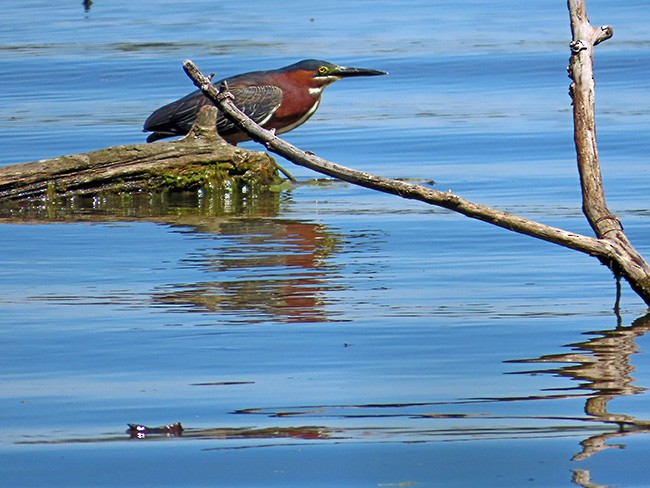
{"x": 139, "y": 431}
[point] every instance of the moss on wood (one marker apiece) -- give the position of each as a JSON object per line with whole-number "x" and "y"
{"x": 199, "y": 160}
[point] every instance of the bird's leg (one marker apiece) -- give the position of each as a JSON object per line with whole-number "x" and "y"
{"x": 289, "y": 176}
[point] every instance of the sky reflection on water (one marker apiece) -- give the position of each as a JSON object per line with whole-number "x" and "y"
{"x": 346, "y": 333}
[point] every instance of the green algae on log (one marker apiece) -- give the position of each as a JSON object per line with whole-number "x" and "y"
{"x": 199, "y": 160}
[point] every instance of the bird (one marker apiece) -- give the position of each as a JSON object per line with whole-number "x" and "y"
{"x": 279, "y": 100}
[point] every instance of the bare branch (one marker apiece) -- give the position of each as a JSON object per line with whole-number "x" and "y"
{"x": 611, "y": 246}
{"x": 582, "y": 91}
{"x": 605, "y": 224}
{"x": 448, "y": 200}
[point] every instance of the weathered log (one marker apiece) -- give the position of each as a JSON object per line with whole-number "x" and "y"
{"x": 201, "y": 158}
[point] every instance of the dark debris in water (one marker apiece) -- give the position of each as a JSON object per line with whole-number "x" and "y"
{"x": 223, "y": 383}
{"x": 139, "y": 431}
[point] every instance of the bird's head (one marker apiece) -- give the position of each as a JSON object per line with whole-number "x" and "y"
{"x": 317, "y": 74}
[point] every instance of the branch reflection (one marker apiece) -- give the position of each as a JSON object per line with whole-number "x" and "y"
{"x": 602, "y": 365}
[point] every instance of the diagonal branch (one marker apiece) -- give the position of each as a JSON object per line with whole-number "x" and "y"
{"x": 611, "y": 246}
{"x": 448, "y": 200}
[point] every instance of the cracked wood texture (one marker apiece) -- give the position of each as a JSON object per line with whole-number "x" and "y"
{"x": 625, "y": 261}
{"x": 201, "y": 157}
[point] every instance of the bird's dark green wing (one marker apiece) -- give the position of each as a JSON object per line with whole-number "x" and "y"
{"x": 176, "y": 118}
{"x": 258, "y": 102}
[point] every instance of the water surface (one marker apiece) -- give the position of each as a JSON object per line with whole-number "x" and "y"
{"x": 327, "y": 335}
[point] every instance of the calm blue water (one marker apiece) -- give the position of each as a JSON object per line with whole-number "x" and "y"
{"x": 330, "y": 336}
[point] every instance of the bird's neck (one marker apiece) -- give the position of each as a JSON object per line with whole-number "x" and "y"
{"x": 316, "y": 91}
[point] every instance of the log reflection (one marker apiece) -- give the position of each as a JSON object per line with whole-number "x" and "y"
{"x": 260, "y": 267}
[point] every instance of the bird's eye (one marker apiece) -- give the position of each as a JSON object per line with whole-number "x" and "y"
{"x": 323, "y": 70}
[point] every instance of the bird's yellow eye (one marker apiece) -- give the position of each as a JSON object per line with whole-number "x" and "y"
{"x": 323, "y": 70}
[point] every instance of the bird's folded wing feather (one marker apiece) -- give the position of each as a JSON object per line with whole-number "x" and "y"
{"x": 259, "y": 102}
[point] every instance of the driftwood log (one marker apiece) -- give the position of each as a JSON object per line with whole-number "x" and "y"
{"x": 610, "y": 245}
{"x": 201, "y": 158}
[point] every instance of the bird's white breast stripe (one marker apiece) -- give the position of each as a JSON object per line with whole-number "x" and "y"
{"x": 302, "y": 120}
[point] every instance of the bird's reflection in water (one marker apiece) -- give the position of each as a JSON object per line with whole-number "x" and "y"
{"x": 262, "y": 269}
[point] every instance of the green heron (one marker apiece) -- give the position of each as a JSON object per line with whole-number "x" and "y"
{"x": 280, "y": 99}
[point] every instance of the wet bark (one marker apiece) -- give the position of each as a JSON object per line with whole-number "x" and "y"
{"x": 610, "y": 245}
{"x": 200, "y": 158}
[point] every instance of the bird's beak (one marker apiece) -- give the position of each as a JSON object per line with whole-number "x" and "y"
{"x": 344, "y": 72}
